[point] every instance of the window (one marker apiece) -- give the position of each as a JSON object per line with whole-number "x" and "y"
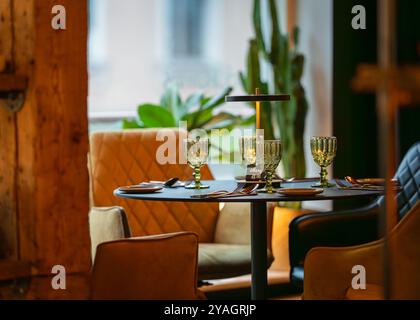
{"x": 97, "y": 34}
{"x": 186, "y": 27}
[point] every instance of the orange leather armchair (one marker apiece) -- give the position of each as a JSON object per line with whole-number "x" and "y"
{"x": 328, "y": 269}
{"x": 160, "y": 267}
{"x": 128, "y": 157}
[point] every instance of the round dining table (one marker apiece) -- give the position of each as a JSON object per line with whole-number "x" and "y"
{"x": 258, "y": 204}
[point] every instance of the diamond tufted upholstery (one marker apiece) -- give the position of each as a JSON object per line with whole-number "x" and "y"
{"x": 408, "y": 174}
{"x": 129, "y": 157}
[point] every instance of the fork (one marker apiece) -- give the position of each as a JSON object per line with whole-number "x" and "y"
{"x": 241, "y": 189}
{"x": 219, "y": 192}
{"x": 357, "y": 187}
{"x": 247, "y": 190}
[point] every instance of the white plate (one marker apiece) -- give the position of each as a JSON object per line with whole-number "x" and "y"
{"x": 258, "y": 181}
{"x": 300, "y": 192}
{"x": 137, "y": 189}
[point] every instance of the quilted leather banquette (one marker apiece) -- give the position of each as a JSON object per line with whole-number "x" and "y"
{"x": 128, "y": 157}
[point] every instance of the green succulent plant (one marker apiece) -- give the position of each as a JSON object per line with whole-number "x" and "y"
{"x": 285, "y": 64}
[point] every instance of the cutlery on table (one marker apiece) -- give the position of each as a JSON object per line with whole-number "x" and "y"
{"x": 248, "y": 190}
{"x": 351, "y": 180}
{"x": 219, "y": 192}
{"x": 358, "y": 186}
{"x": 170, "y": 183}
{"x": 241, "y": 190}
{"x": 371, "y": 181}
{"x": 355, "y": 183}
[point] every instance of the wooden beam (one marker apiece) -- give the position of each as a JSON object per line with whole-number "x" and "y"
{"x": 53, "y": 142}
{"x": 386, "y": 109}
{"x": 6, "y": 35}
{"x": 44, "y": 167}
{"x": 404, "y": 78}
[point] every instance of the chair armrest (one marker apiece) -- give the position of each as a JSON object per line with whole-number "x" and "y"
{"x": 153, "y": 267}
{"x": 328, "y": 271}
{"x": 332, "y": 229}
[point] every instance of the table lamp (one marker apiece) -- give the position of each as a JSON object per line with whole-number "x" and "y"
{"x": 257, "y": 98}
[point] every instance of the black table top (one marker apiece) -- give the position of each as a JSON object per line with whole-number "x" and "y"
{"x": 184, "y": 195}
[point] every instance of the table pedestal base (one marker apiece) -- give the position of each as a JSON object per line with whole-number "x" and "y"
{"x": 259, "y": 250}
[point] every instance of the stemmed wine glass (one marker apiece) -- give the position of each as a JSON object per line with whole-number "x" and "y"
{"x": 249, "y": 151}
{"x": 272, "y": 158}
{"x": 323, "y": 151}
{"x": 197, "y": 151}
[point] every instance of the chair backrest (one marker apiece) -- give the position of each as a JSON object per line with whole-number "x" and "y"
{"x": 147, "y": 268}
{"x": 107, "y": 224}
{"x": 408, "y": 174}
{"x": 128, "y": 157}
{"x": 404, "y": 248}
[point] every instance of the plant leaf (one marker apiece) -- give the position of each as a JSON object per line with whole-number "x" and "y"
{"x": 154, "y": 116}
{"x": 207, "y": 107}
{"x": 244, "y": 81}
{"x": 192, "y": 101}
{"x": 197, "y": 118}
{"x": 296, "y": 36}
{"x": 218, "y": 100}
{"x": 275, "y": 31}
{"x": 259, "y": 35}
{"x": 221, "y": 120}
{"x": 130, "y": 124}
{"x": 171, "y": 101}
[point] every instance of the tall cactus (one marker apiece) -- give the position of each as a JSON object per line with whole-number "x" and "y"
{"x": 284, "y": 120}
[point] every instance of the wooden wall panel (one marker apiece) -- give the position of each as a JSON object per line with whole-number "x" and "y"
{"x": 8, "y": 240}
{"x": 24, "y": 13}
{"x": 6, "y": 34}
{"x": 53, "y": 143}
{"x": 45, "y": 162}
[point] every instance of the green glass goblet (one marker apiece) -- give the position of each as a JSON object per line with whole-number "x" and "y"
{"x": 197, "y": 151}
{"x": 272, "y": 158}
{"x": 323, "y": 151}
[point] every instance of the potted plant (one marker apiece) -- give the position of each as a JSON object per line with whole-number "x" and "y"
{"x": 198, "y": 110}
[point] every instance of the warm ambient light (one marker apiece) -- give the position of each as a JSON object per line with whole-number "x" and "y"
{"x": 257, "y": 110}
